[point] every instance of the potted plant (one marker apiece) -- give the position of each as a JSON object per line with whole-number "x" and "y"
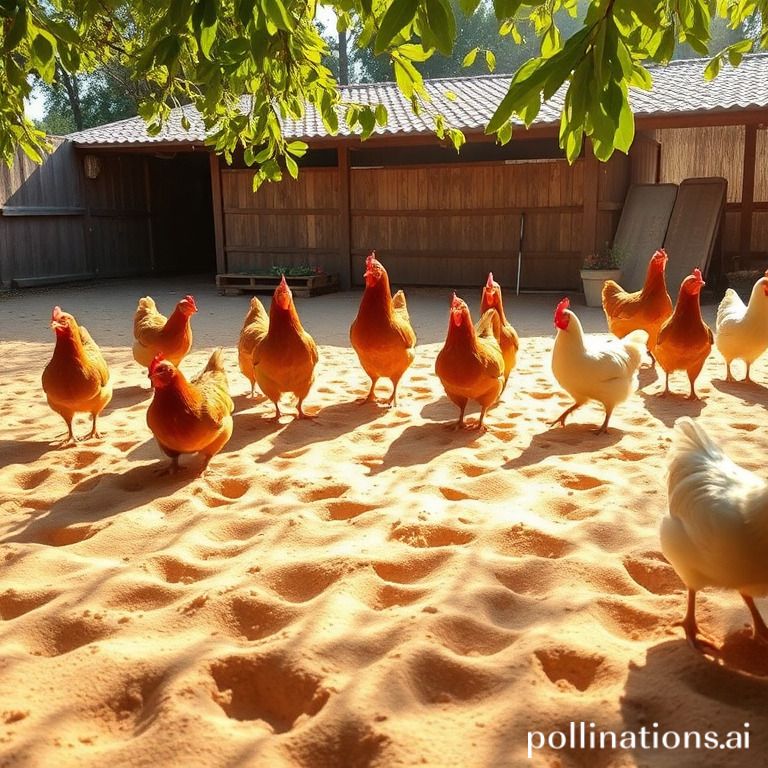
{"x": 596, "y": 269}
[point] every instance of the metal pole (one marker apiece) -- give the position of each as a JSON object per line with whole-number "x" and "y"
{"x": 520, "y": 252}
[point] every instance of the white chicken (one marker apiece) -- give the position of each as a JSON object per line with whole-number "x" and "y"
{"x": 716, "y": 533}
{"x": 604, "y": 370}
{"x": 741, "y": 332}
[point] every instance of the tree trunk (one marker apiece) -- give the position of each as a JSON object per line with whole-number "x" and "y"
{"x": 343, "y": 61}
{"x": 71, "y": 86}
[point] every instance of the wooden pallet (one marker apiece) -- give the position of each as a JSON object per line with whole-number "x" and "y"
{"x": 309, "y": 285}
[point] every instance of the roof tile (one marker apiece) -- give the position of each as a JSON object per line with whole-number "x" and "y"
{"x": 678, "y": 87}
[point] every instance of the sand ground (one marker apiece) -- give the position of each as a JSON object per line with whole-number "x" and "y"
{"x": 369, "y": 588}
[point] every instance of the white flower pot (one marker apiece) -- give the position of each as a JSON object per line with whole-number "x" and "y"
{"x": 592, "y": 280}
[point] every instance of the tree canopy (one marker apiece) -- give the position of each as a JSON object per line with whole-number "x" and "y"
{"x": 212, "y": 52}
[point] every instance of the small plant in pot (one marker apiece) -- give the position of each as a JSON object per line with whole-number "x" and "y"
{"x": 596, "y": 269}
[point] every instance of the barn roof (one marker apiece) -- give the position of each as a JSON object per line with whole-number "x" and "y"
{"x": 678, "y": 88}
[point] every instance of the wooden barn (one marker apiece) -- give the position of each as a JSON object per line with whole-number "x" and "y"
{"x": 113, "y": 201}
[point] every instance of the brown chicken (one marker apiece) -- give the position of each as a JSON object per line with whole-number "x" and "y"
{"x": 171, "y": 338}
{"x": 509, "y": 340}
{"x": 642, "y": 310}
{"x": 685, "y": 340}
{"x": 76, "y": 380}
{"x": 255, "y": 327}
{"x": 381, "y": 334}
{"x": 190, "y": 416}
{"x": 285, "y": 359}
{"x": 470, "y": 364}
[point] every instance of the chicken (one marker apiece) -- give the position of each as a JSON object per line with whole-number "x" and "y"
{"x": 508, "y": 340}
{"x": 741, "y": 332}
{"x": 716, "y": 533}
{"x": 76, "y": 380}
{"x": 254, "y": 330}
{"x": 172, "y": 338}
{"x": 470, "y": 364}
{"x": 190, "y": 416}
{"x": 285, "y": 359}
{"x": 646, "y": 309}
{"x": 604, "y": 370}
{"x": 381, "y": 334}
{"x": 685, "y": 340}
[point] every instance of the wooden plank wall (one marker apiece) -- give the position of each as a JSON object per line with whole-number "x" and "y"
{"x": 710, "y": 151}
{"x": 41, "y": 229}
{"x": 289, "y": 223}
{"x": 117, "y": 203}
{"x": 759, "y": 240}
{"x": 452, "y": 224}
{"x": 612, "y": 189}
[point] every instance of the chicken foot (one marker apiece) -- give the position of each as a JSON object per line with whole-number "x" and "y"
{"x": 94, "y": 433}
{"x": 691, "y": 629}
{"x": 302, "y": 413}
{"x": 561, "y": 418}
{"x": 759, "y": 628}
{"x": 603, "y": 428}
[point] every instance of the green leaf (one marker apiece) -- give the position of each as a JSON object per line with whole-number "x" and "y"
{"x": 18, "y": 29}
{"x": 367, "y": 122}
{"x": 737, "y": 50}
{"x": 403, "y": 78}
{"x": 457, "y": 138}
{"x": 468, "y": 6}
{"x": 641, "y": 78}
{"x": 441, "y": 24}
{"x": 399, "y": 14}
{"x": 504, "y": 134}
{"x": 42, "y": 57}
{"x": 70, "y": 57}
{"x": 450, "y": 95}
{"x": 297, "y": 148}
{"x": 712, "y": 69}
{"x": 64, "y": 32}
{"x": 490, "y": 60}
{"x": 292, "y": 167}
{"x": 414, "y": 52}
{"x": 469, "y": 59}
{"x": 666, "y": 46}
{"x": 381, "y": 115}
{"x": 263, "y": 155}
{"x": 275, "y": 11}
{"x": 506, "y": 9}
{"x": 167, "y": 50}
{"x": 625, "y": 133}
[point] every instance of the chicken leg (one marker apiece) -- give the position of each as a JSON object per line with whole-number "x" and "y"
{"x": 561, "y": 418}
{"x": 692, "y": 628}
{"x": 759, "y": 630}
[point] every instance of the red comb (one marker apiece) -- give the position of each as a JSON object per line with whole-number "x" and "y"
{"x": 697, "y": 273}
{"x": 56, "y": 314}
{"x": 370, "y": 258}
{"x": 283, "y": 282}
{"x": 489, "y": 284}
{"x": 562, "y": 306}
{"x": 156, "y": 360}
{"x": 660, "y": 254}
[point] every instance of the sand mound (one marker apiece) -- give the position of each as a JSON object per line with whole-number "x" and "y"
{"x": 371, "y": 588}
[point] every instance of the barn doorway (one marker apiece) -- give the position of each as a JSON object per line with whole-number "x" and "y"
{"x": 181, "y": 213}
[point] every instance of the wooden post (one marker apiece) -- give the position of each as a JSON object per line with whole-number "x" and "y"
{"x": 747, "y": 193}
{"x": 591, "y": 195}
{"x": 345, "y": 230}
{"x": 150, "y": 228}
{"x": 218, "y": 214}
